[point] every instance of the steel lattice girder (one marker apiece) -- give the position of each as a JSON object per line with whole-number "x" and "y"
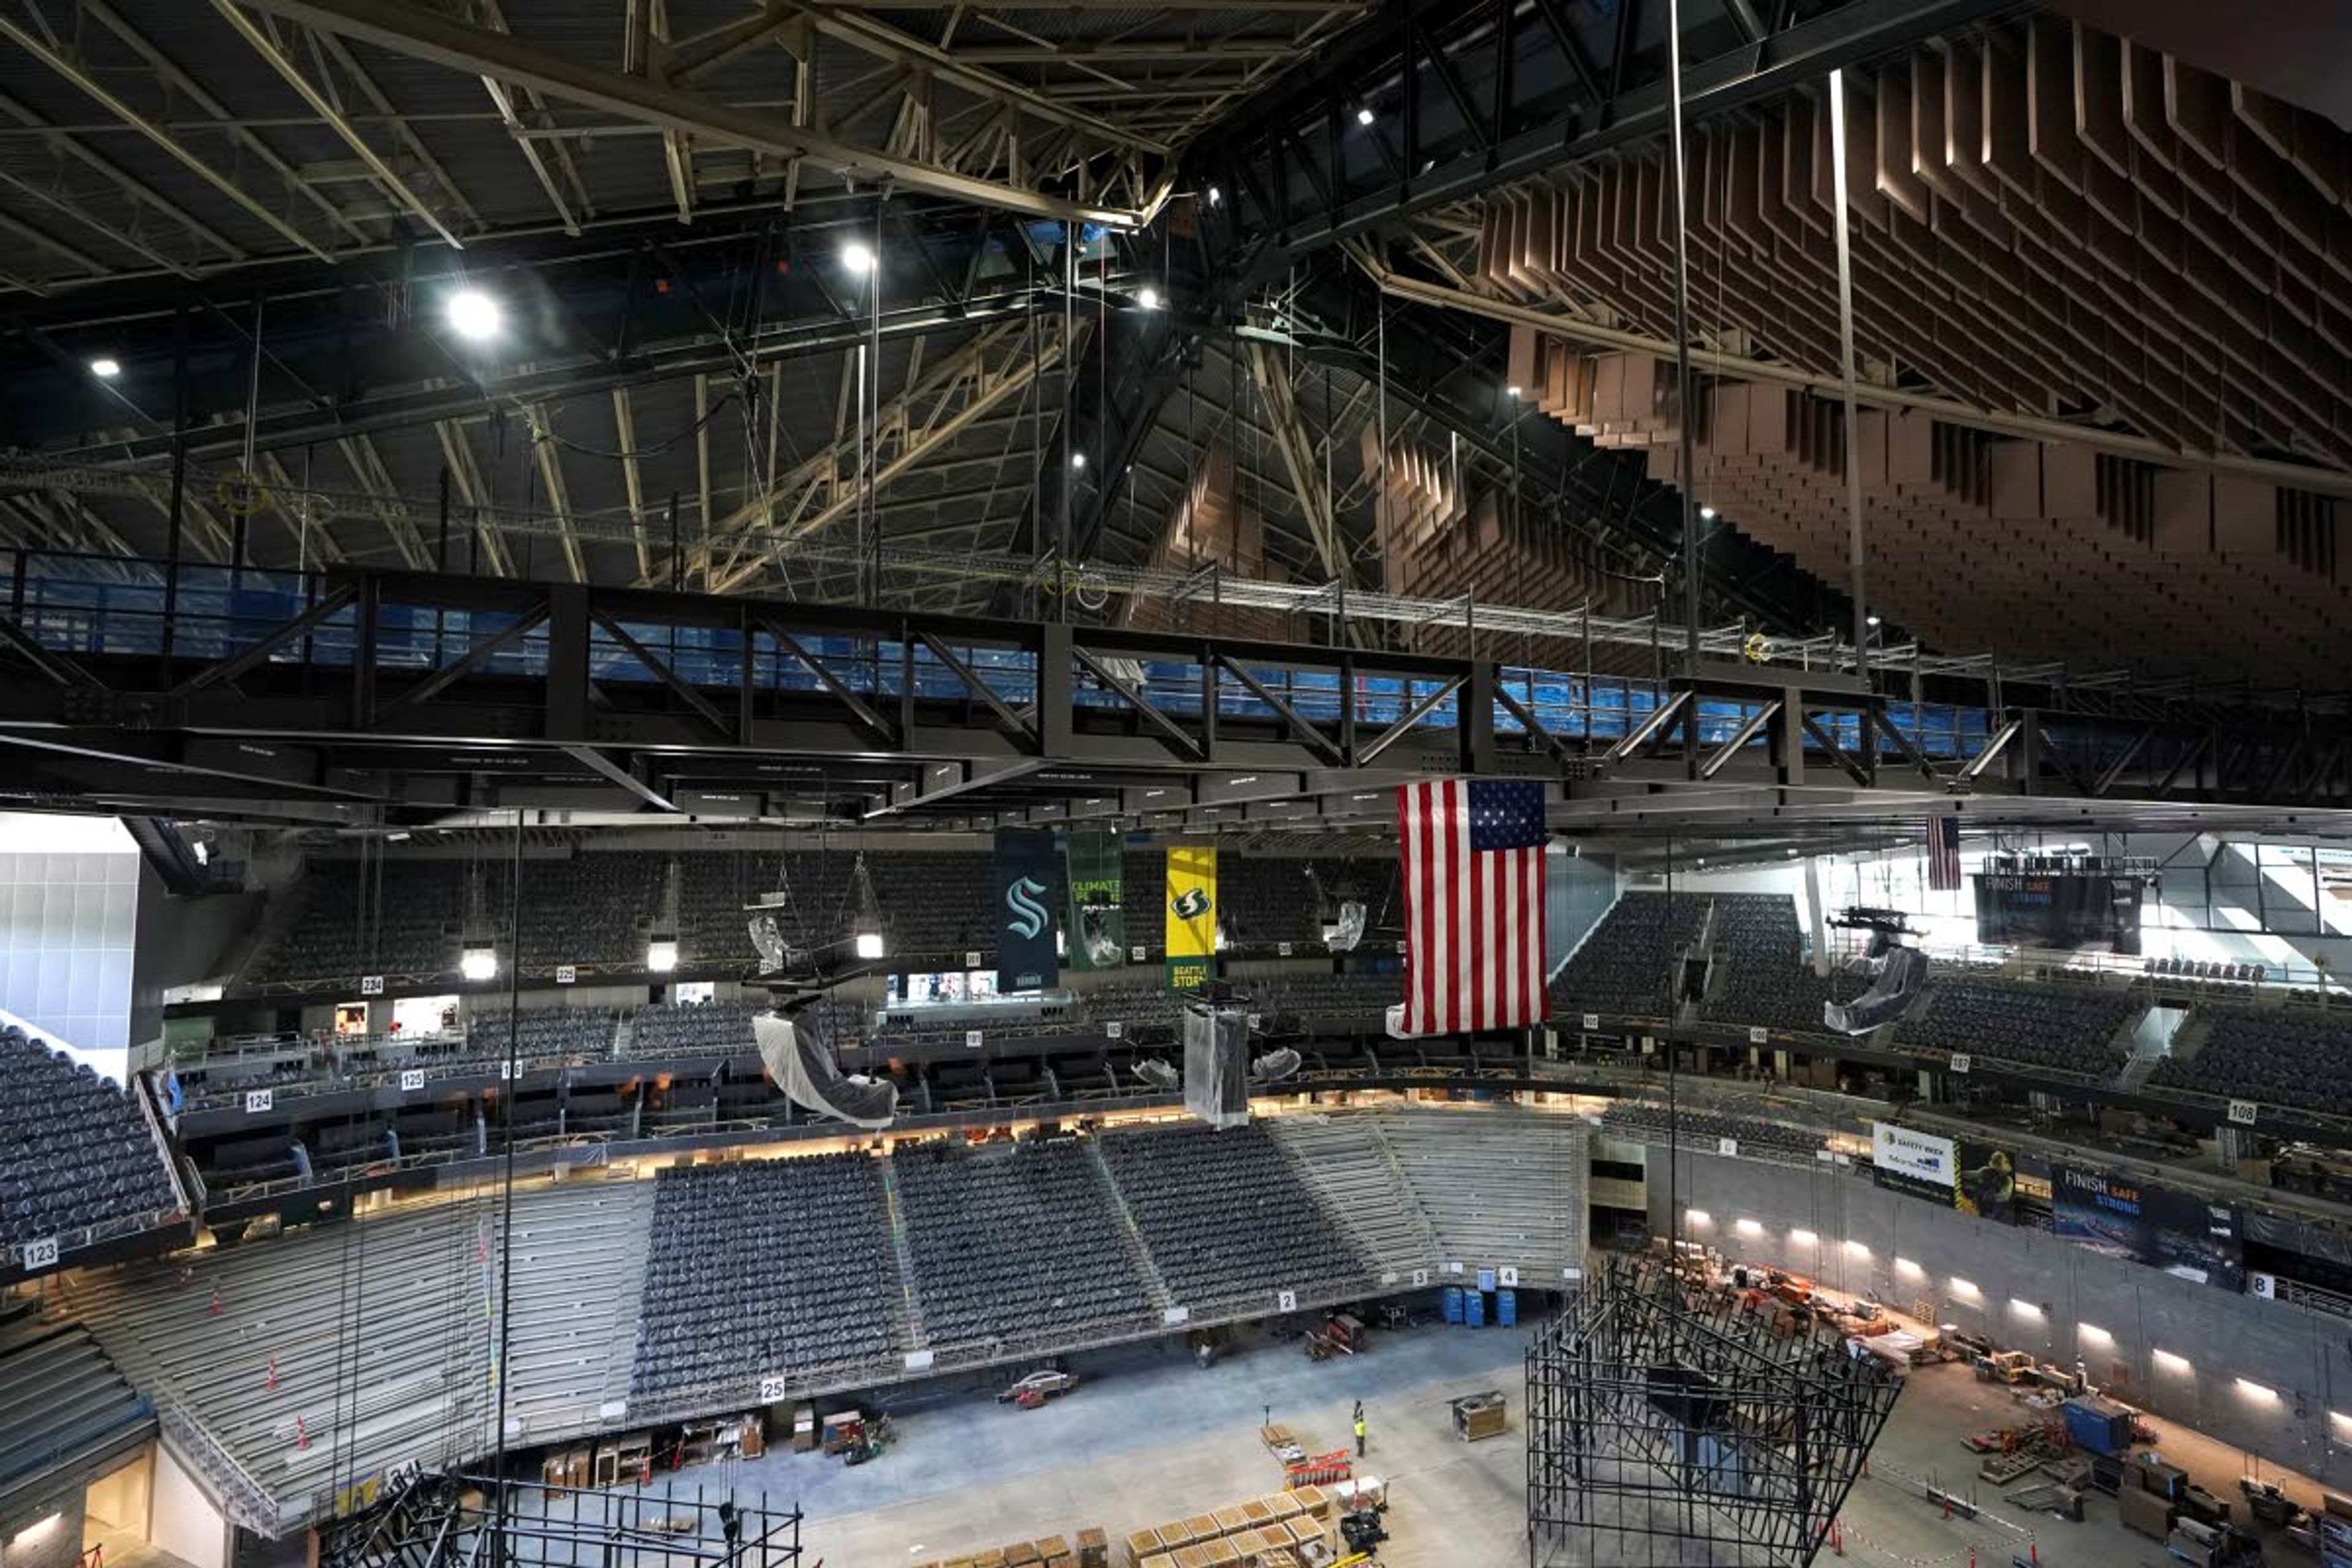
{"x": 1465, "y": 99}
{"x": 411, "y": 691}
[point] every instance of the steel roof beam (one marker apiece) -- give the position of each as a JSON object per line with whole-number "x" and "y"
{"x": 264, "y": 44}
{"x": 410, "y": 31}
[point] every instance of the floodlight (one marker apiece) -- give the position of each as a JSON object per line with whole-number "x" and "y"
{"x": 661, "y": 953}
{"x": 1364, "y": 116}
{"x": 1147, "y": 298}
{"x": 473, "y": 315}
{"x": 858, "y": 257}
{"x": 865, "y": 936}
{"x": 105, "y": 368}
{"x": 480, "y": 961}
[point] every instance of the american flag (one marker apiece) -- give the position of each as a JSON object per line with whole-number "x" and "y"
{"x": 1473, "y": 905}
{"x": 1944, "y": 853}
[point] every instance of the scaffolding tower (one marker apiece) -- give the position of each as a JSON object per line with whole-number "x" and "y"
{"x": 436, "y": 1520}
{"x": 1676, "y": 1428}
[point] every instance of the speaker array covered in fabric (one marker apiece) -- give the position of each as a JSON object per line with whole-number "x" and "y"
{"x": 1216, "y": 1062}
{"x": 802, "y": 1065}
{"x": 1900, "y": 975}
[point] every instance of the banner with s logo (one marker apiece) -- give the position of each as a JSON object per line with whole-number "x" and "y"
{"x": 1191, "y": 894}
{"x": 1028, "y": 885}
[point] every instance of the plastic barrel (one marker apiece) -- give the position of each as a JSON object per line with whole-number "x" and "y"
{"x": 1452, "y": 1303}
{"x": 1473, "y": 1309}
{"x": 1506, "y": 1308}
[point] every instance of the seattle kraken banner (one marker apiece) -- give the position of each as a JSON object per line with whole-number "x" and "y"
{"x": 1025, "y": 896}
{"x": 1097, "y": 925}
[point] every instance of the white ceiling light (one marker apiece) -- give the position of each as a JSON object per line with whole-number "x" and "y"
{"x": 105, "y": 369}
{"x": 1364, "y": 116}
{"x": 1215, "y": 195}
{"x": 1870, "y": 620}
{"x": 1078, "y": 459}
{"x": 1511, "y": 391}
{"x": 473, "y": 315}
{"x": 1707, "y": 514}
{"x": 1147, "y": 297}
{"x": 858, "y": 257}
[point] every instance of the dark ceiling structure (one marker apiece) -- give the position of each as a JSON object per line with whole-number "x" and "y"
{"x": 1003, "y": 310}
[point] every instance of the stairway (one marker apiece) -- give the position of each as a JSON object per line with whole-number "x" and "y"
{"x": 2143, "y": 1054}
{"x": 625, "y": 1035}
{"x": 1136, "y": 1251}
{"x": 910, "y": 1315}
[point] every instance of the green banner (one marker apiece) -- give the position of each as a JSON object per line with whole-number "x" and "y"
{"x": 1098, "y": 922}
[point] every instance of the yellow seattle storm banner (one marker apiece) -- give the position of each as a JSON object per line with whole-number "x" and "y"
{"x": 1191, "y": 915}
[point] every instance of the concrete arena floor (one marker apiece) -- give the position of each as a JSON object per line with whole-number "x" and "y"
{"x": 1150, "y": 1437}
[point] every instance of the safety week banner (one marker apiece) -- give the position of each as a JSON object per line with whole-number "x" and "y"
{"x": 1097, "y": 924}
{"x": 1191, "y": 915}
{"x": 1026, "y": 872}
{"x": 1920, "y": 1164}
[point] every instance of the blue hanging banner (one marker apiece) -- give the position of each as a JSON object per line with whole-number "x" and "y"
{"x": 1028, "y": 891}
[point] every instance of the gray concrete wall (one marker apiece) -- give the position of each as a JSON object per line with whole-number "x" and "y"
{"x": 43, "y": 1530}
{"x": 2034, "y": 1292}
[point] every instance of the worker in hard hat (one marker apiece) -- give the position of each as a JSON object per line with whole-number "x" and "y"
{"x": 1359, "y": 1429}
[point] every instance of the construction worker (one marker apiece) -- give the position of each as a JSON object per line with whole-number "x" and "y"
{"x": 1359, "y": 1429}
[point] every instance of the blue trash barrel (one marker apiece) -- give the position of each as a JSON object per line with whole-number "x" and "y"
{"x": 1452, "y": 1303}
{"x": 1506, "y": 1308}
{"x": 1473, "y": 1309}
{"x": 1486, "y": 1279}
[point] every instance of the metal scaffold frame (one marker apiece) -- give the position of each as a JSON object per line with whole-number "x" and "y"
{"x": 1673, "y": 1429}
{"x": 458, "y": 1521}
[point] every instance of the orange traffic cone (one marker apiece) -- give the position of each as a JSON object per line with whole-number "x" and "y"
{"x": 301, "y": 1434}
{"x": 270, "y": 1382}
{"x": 215, "y": 1308}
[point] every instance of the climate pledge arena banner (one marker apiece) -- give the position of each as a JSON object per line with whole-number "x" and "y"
{"x": 1097, "y": 925}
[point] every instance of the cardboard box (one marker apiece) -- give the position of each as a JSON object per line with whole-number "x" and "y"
{"x": 1143, "y": 1544}
{"x": 1314, "y": 1501}
{"x": 1230, "y": 1520}
{"x": 1021, "y": 1554}
{"x": 1203, "y": 1527}
{"x": 1052, "y": 1546}
{"x": 1284, "y": 1505}
{"x": 1094, "y": 1550}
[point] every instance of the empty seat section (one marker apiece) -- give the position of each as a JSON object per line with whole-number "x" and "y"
{"x": 78, "y": 1159}
{"x": 1623, "y": 966}
{"x": 765, "y": 1267}
{"x": 1015, "y": 1242}
{"x": 2053, "y": 1028}
{"x": 2293, "y": 1057}
{"x": 1497, "y": 1187}
{"x": 1227, "y": 1220}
